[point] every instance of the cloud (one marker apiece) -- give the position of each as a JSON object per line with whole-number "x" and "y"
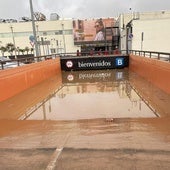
{"x": 79, "y": 8}
{"x": 11, "y": 9}
{"x": 151, "y": 5}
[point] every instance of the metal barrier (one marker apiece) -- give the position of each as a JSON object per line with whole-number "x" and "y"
{"x": 92, "y": 53}
{"x": 152, "y": 54}
{"x": 12, "y": 63}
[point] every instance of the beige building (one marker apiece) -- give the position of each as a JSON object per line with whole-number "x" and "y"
{"x": 55, "y": 36}
{"x": 148, "y": 31}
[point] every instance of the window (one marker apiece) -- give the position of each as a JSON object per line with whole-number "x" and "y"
{"x": 44, "y": 33}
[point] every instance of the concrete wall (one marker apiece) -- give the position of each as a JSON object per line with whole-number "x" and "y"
{"x": 155, "y": 71}
{"x": 16, "y": 80}
{"x": 155, "y": 27}
{"x": 156, "y": 35}
{"x": 29, "y": 99}
{"x": 123, "y": 19}
{"x": 153, "y": 96}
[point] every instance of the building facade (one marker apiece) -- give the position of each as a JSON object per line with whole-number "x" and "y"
{"x": 149, "y": 31}
{"x": 52, "y": 36}
{"x": 58, "y": 35}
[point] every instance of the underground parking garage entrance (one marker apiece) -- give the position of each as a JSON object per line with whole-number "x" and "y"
{"x": 95, "y": 119}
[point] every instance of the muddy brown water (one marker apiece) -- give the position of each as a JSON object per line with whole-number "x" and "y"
{"x": 94, "y": 95}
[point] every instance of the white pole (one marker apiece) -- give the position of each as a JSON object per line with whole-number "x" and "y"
{"x": 13, "y": 40}
{"x": 33, "y": 27}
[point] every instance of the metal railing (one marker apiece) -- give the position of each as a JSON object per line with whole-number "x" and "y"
{"x": 91, "y": 53}
{"x": 152, "y": 54}
{"x": 12, "y": 63}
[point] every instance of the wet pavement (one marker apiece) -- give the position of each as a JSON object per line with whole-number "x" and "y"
{"x": 108, "y": 119}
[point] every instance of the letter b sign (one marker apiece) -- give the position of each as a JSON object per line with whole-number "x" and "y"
{"x": 119, "y": 61}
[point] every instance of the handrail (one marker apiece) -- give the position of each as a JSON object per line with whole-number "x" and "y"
{"x": 26, "y": 60}
{"x": 91, "y": 53}
{"x": 152, "y": 54}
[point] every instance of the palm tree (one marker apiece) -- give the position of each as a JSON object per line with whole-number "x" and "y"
{"x": 32, "y": 50}
{"x": 17, "y": 50}
{"x": 10, "y": 48}
{"x": 3, "y": 50}
{"x": 22, "y": 51}
{"x": 27, "y": 49}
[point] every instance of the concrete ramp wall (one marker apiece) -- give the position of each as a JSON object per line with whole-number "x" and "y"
{"x": 155, "y": 71}
{"x": 16, "y": 80}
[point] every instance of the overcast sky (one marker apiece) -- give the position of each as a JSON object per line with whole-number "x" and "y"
{"x": 15, "y": 9}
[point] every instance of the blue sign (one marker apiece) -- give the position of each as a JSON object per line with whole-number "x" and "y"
{"x": 119, "y": 62}
{"x": 31, "y": 38}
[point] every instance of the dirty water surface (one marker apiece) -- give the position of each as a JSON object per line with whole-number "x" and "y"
{"x": 93, "y": 95}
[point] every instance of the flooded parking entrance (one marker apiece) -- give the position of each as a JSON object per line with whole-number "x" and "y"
{"x": 91, "y": 95}
{"x": 103, "y": 119}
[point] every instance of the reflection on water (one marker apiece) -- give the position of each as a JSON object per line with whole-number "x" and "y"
{"x": 90, "y": 95}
